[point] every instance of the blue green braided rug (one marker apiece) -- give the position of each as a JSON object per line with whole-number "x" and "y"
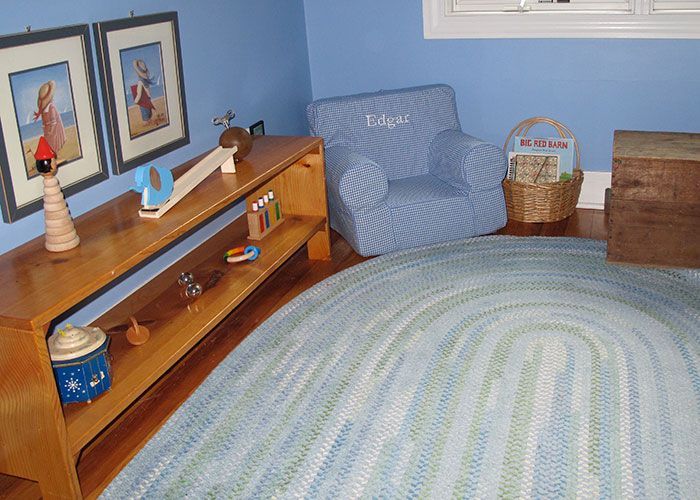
{"x": 493, "y": 367}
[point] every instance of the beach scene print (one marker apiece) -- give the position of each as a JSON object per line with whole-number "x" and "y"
{"x": 43, "y": 101}
{"x": 144, "y": 88}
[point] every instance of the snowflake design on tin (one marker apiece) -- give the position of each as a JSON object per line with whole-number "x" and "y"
{"x": 73, "y": 385}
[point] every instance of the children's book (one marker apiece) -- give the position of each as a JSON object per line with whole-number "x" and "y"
{"x": 535, "y": 168}
{"x": 561, "y": 147}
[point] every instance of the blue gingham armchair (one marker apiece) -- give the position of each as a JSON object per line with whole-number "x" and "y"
{"x": 400, "y": 172}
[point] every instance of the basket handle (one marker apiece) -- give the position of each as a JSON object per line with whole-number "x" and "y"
{"x": 524, "y": 127}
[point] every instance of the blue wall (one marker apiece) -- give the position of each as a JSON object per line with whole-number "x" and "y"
{"x": 593, "y": 86}
{"x": 249, "y": 56}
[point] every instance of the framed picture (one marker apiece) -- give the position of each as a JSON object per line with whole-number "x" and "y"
{"x": 143, "y": 87}
{"x": 47, "y": 87}
{"x": 257, "y": 128}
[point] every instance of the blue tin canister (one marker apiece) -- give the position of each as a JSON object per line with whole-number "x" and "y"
{"x": 80, "y": 363}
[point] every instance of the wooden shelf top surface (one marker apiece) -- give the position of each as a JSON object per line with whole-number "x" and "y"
{"x": 660, "y": 145}
{"x": 114, "y": 238}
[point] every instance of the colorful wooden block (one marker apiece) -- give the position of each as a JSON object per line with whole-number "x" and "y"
{"x": 264, "y": 217}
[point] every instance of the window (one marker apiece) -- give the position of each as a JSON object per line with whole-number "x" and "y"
{"x": 561, "y": 18}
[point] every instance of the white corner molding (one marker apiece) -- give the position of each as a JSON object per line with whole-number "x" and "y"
{"x": 642, "y": 19}
{"x": 593, "y": 190}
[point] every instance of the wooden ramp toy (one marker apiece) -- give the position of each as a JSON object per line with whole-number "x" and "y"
{"x": 234, "y": 144}
{"x": 218, "y": 158}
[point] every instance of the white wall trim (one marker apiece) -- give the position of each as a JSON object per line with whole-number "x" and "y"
{"x": 593, "y": 190}
{"x": 441, "y": 21}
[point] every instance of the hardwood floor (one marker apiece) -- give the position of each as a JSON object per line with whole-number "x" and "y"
{"x": 104, "y": 457}
{"x": 582, "y": 224}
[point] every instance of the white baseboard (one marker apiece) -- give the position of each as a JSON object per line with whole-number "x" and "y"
{"x": 593, "y": 190}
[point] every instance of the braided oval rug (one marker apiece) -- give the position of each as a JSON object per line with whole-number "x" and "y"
{"x": 493, "y": 367}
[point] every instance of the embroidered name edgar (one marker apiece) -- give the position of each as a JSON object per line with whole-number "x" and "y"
{"x": 386, "y": 121}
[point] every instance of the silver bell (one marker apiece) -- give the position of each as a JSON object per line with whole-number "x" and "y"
{"x": 193, "y": 290}
{"x": 185, "y": 279}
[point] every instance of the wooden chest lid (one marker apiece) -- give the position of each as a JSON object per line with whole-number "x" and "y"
{"x": 662, "y": 145}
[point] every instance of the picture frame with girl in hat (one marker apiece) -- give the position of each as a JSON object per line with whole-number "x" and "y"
{"x": 142, "y": 73}
{"x": 47, "y": 89}
{"x": 143, "y": 87}
{"x": 44, "y": 106}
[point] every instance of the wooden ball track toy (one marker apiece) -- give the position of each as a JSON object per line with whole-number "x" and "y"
{"x": 160, "y": 193}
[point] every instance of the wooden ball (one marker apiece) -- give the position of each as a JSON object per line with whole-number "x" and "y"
{"x": 43, "y": 166}
{"x": 239, "y": 137}
{"x": 47, "y": 167}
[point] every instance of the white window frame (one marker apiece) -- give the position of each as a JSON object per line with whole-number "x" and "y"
{"x": 449, "y": 19}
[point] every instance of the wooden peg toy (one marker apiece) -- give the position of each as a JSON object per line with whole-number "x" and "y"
{"x": 58, "y": 224}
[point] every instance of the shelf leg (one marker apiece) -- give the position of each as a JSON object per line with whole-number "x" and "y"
{"x": 32, "y": 426}
{"x": 59, "y": 484}
{"x": 302, "y": 190}
{"x": 319, "y": 246}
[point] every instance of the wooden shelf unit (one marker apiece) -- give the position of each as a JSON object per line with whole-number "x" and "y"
{"x": 42, "y": 440}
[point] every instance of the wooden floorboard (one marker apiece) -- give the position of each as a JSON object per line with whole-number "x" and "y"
{"x": 103, "y": 459}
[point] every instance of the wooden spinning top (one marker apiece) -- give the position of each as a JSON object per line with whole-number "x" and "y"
{"x": 137, "y": 334}
{"x": 60, "y": 231}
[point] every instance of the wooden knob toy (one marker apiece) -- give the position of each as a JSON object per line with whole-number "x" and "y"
{"x": 59, "y": 228}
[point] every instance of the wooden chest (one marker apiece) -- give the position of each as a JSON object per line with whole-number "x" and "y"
{"x": 655, "y": 203}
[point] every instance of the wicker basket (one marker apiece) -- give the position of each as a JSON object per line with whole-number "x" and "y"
{"x": 546, "y": 202}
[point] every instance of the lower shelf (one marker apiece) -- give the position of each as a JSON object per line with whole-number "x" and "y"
{"x": 176, "y": 324}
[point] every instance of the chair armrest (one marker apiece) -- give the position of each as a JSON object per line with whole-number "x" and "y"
{"x": 355, "y": 180}
{"x": 466, "y": 162}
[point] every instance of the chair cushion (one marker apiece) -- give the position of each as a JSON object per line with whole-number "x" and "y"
{"x": 393, "y": 128}
{"x": 426, "y": 210}
{"x": 419, "y": 189}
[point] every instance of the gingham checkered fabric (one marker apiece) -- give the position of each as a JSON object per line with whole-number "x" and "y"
{"x": 369, "y": 232}
{"x": 489, "y": 210}
{"x": 465, "y": 162}
{"x": 426, "y": 210}
{"x": 401, "y": 173}
{"x": 392, "y": 128}
{"x": 357, "y": 181}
